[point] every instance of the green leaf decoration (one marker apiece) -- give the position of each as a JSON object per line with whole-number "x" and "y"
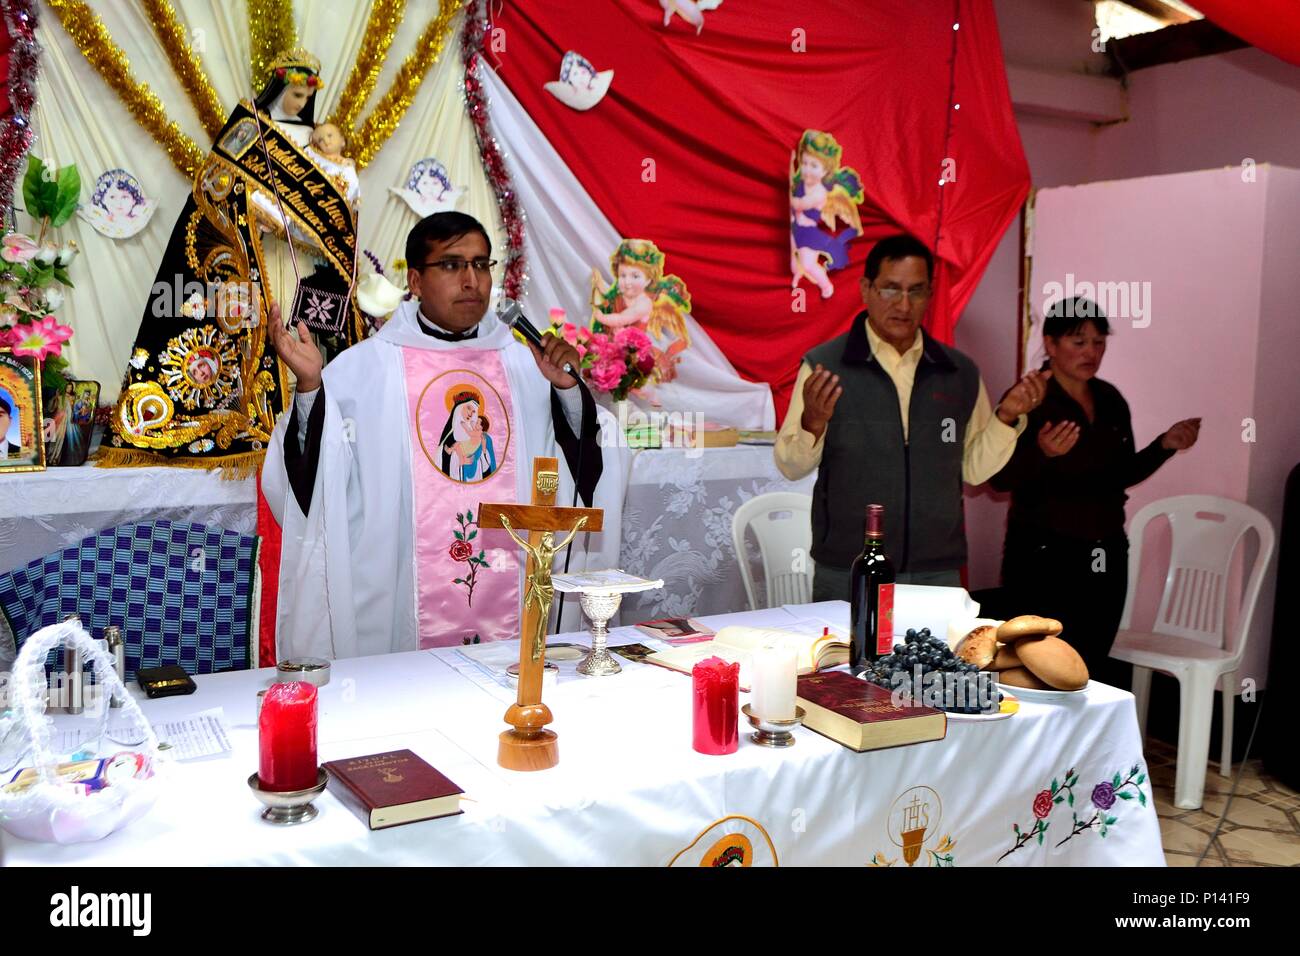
{"x": 1116, "y": 781}
{"x": 460, "y": 535}
{"x": 1142, "y": 778}
{"x": 1072, "y": 798}
{"x": 469, "y": 516}
{"x": 1124, "y": 795}
{"x": 1059, "y": 800}
{"x": 1135, "y": 769}
{"x": 472, "y": 535}
{"x": 1110, "y": 821}
{"x": 1015, "y": 827}
{"x": 1040, "y": 835}
{"x": 458, "y": 581}
{"x": 31, "y": 181}
{"x": 1142, "y": 798}
{"x": 67, "y": 192}
{"x": 61, "y": 274}
{"x": 1055, "y": 786}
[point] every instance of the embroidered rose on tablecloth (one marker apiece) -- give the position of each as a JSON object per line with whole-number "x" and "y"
{"x": 1042, "y": 805}
{"x": 460, "y": 551}
{"x": 1103, "y": 796}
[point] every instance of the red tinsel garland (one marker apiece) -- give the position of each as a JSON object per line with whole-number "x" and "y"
{"x": 20, "y": 86}
{"x": 473, "y": 39}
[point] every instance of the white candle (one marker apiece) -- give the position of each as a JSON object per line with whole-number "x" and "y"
{"x": 774, "y": 683}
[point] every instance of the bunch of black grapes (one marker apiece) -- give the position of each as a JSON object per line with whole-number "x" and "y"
{"x": 929, "y": 653}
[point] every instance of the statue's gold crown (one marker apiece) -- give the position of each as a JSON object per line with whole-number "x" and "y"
{"x": 296, "y": 59}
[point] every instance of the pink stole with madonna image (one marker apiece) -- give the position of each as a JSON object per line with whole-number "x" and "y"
{"x": 466, "y": 579}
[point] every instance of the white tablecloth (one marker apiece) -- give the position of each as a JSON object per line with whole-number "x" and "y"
{"x": 676, "y": 516}
{"x": 629, "y": 789}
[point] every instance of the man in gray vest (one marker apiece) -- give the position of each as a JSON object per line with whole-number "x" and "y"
{"x": 894, "y": 417}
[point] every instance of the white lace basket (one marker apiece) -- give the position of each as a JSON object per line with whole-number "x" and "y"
{"x": 52, "y": 811}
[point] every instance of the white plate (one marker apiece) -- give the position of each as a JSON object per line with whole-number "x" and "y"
{"x": 1041, "y": 696}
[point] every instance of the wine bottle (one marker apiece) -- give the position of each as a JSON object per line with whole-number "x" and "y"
{"x": 871, "y": 596}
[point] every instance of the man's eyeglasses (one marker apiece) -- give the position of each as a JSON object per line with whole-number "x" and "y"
{"x": 451, "y": 267}
{"x": 893, "y": 293}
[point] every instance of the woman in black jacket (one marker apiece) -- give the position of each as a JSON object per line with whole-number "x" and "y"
{"x": 1066, "y": 553}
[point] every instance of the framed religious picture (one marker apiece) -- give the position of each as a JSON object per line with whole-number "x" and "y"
{"x": 21, "y": 440}
{"x": 69, "y": 421}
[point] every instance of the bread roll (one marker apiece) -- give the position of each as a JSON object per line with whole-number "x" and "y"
{"x": 1005, "y": 658}
{"x": 1055, "y": 662}
{"x": 1028, "y": 625}
{"x": 1021, "y": 677}
{"x": 979, "y": 646}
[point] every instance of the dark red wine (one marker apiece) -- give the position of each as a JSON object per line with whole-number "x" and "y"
{"x": 871, "y": 596}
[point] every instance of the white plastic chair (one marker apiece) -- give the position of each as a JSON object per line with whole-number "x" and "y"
{"x": 1189, "y": 640}
{"x": 782, "y": 522}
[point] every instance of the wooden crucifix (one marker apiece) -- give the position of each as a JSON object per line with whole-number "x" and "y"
{"x": 528, "y": 745}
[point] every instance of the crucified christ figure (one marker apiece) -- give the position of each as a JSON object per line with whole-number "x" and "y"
{"x": 538, "y": 586}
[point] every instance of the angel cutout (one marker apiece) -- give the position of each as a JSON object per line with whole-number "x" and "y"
{"x": 118, "y": 206}
{"x": 692, "y": 11}
{"x": 642, "y": 296}
{"x": 822, "y": 193}
{"x": 429, "y": 189}
{"x": 580, "y": 86}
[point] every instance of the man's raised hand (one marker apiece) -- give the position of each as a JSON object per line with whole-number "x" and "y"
{"x": 297, "y": 349}
{"x": 821, "y": 391}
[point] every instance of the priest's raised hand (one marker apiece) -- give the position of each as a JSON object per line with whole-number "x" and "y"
{"x": 297, "y": 349}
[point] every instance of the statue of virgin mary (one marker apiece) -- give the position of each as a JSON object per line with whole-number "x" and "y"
{"x": 268, "y": 220}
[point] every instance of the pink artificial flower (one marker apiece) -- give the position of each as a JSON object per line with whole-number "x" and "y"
{"x": 19, "y": 248}
{"x": 606, "y": 376}
{"x": 39, "y": 339}
{"x": 645, "y": 362}
{"x": 568, "y": 331}
{"x": 630, "y": 337}
{"x": 556, "y": 316}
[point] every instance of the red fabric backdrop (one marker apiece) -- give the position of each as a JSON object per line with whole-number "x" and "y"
{"x": 720, "y": 113}
{"x": 1271, "y": 25}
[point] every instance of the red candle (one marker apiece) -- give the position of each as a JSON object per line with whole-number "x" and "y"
{"x": 287, "y": 737}
{"x": 716, "y": 710}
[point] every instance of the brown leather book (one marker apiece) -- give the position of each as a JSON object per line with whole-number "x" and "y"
{"x": 862, "y": 716}
{"x": 389, "y": 789}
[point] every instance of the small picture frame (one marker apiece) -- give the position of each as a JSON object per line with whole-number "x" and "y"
{"x": 69, "y": 423}
{"x": 22, "y": 445}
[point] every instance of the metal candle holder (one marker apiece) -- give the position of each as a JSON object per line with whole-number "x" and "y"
{"x": 773, "y": 733}
{"x": 599, "y": 606}
{"x": 290, "y": 807}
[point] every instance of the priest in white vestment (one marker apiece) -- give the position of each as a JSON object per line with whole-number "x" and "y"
{"x": 377, "y": 473}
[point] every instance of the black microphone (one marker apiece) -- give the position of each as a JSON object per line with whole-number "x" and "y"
{"x": 511, "y": 313}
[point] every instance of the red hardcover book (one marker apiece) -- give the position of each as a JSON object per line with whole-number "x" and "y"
{"x": 389, "y": 789}
{"x": 862, "y": 716}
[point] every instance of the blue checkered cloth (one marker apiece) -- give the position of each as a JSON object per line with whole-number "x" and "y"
{"x": 181, "y": 593}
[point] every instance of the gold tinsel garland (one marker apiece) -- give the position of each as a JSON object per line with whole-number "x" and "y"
{"x": 388, "y": 112}
{"x": 381, "y": 27}
{"x": 186, "y": 64}
{"x": 90, "y": 35}
{"x": 271, "y": 31}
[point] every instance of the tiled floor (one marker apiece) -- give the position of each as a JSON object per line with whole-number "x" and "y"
{"x": 1262, "y": 829}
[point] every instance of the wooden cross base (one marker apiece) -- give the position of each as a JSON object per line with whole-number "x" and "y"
{"x": 529, "y": 745}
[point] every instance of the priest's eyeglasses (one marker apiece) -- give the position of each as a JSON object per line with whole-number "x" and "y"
{"x": 451, "y": 267}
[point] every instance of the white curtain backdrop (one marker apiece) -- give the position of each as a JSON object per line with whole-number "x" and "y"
{"x": 568, "y": 236}
{"x": 79, "y": 119}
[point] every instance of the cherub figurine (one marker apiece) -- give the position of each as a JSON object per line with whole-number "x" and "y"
{"x": 540, "y": 590}
{"x": 821, "y": 193}
{"x": 692, "y": 11}
{"x": 642, "y": 296}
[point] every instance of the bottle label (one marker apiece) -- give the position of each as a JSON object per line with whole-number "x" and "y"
{"x": 885, "y": 620}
